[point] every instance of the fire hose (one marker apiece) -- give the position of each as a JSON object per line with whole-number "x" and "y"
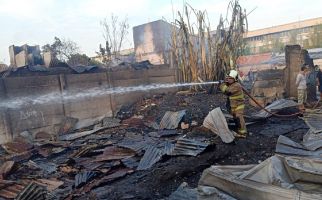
{"x": 263, "y": 108}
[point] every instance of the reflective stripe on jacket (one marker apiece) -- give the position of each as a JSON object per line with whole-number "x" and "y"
{"x": 235, "y": 94}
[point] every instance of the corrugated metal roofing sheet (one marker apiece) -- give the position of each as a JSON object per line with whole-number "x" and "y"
{"x": 151, "y": 156}
{"x": 274, "y": 107}
{"x": 83, "y": 178}
{"x": 33, "y": 192}
{"x": 188, "y": 147}
{"x": 137, "y": 146}
{"x": 171, "y": 120}
{"x": 216, "y": 122}
{"x": 115, "y": 153}
{"x": 184, "y": 193}
{"x": 314, "y": 121}
{"x": 81, "y": 69}
{"x": 10, "y": 189}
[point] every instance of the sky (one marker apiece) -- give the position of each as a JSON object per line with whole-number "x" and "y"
{"x": 39, "y": 21}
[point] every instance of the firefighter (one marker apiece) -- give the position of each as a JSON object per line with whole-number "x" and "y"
{"x": 235, "y": 101}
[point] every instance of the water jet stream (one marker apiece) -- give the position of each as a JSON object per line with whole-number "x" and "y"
{"x": 70, "y": 96}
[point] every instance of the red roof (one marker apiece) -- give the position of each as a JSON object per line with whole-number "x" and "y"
{"x": 253, "y": 59}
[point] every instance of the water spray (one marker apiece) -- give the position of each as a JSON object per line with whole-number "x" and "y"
{"x": 70, "y": 96}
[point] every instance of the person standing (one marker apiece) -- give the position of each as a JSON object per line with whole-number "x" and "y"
{"x": 235, "y": 101}
{"x": 319, "y": 81}
{"x": 301, "y": 87}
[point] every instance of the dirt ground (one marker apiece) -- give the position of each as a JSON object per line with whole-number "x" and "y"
{"x": 164, "y": 177}
{"x": 67, "y": 163}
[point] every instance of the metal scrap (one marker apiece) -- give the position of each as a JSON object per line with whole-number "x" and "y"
{"x": 216, "y": 122}
{"x": 314, "y": 121}
{"x": 6, "y": 168}
{"x": 151, "y": 156}
{"x": 84, "y": 177}
{"x": 109, "y": 122}
{"x": 48, "y": 167}
{"x": 81, "y": 69}
{"x": 184, "y": 193}
{"x": 164, "y": 133}
{"x": 131, "y": 162}
{"x": 33, "y": 192}
{"x": 51, "y": 185}
{"x": 188, "y": 147}
{"x": 88, "y": 163}
{"x": 171, "y": 120}
{"x": 275, "y": 107}
{"x": 74, "y": 136}
{"x": 106, "y": 179}
{"x": 115, "y": 153}
{"x": 43, "y": 136}
{"x": 310, "y": 148}
{"x": 11, "y": 189}
{"x": 17, "y": 146}
{"x": 137, "y": 145}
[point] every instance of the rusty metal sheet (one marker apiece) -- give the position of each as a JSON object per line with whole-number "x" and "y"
{"x": 43, "y": 136}
{"x": 115, "y": 153}
{"x": 33, "y": 191}
{"x": 6, "y": 168}
{"x": 133, "y": 122}
{"x": 51, "y": 185}
{"x": 151, "y": 156}
{"x": 171, "y": 120}
{"x": 88, "y": 163}
{"x": 188, "y": 147}
{"x": 10, "y": 189}
{"x": 18, "y": 157}
{"x": 17, "y": 147}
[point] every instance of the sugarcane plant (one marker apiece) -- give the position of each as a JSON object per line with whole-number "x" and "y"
{"x": 202, "y": 54}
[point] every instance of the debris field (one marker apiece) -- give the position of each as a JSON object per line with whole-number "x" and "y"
{"x": 145, "y": 152}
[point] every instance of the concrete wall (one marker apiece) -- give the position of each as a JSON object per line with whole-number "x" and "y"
{"x": 268, "y": 86}
{"x": 21, "y": 56}
{"x": 151, "y": 41}
{"x": 47, "y": 117}
{"x": 294, "y": 61}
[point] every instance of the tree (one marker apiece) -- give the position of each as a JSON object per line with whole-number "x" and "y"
{"x": 81, "y": 59}
{"x": 62, "y": 49}
{"x": 114, "y": 33}
{"x": 293, "y": 37}
{"x": 316, "y": 36}
{"x": 277, "y": 45}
